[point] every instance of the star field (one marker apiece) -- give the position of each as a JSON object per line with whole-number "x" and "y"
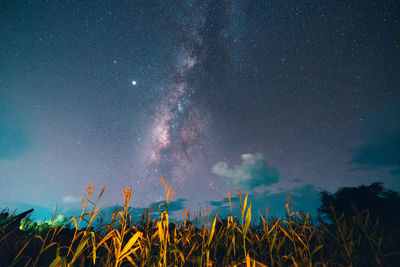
{"x": 271, "y": 96}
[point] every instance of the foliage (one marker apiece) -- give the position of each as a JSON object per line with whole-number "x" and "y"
{"x": 294, "y": 240}
{"x": 40, "y": 228}
{"x": 381, "y": 203}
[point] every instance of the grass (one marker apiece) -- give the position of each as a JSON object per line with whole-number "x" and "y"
{"x": 294, "y": 240}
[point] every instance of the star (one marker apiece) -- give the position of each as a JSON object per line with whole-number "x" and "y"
{"x": 133, "y": 82}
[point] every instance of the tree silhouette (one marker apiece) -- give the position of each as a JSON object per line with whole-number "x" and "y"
{"x": 381, "y": 203}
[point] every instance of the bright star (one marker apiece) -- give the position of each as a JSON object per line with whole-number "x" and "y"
{"x": 133, "y": 82}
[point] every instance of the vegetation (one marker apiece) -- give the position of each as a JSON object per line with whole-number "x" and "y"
{"x": 382, "y": 204}
{"x": 354, "y": 239}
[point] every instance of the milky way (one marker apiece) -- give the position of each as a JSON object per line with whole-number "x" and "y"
{"x": 177, "y": 133}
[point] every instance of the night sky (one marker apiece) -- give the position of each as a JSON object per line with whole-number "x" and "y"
{"x": 274, "y": 97}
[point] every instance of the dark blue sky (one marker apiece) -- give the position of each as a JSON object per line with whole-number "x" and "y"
{"x": 271, "y": 96}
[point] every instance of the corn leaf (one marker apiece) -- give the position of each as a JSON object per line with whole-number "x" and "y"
{"x": 57, "y": 261}
{"x": 81, "y": 246}
{"x": 248, "y": 220}
{"x": 212, "y": 232}
{"x": 316, "y": 249}
{"x": 131, "y": 242}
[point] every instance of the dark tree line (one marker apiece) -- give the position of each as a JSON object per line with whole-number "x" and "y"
{"x": 382, "y": 203}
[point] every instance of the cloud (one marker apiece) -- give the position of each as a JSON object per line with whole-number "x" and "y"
{"x": 39, "y": 212}
{"x": 224, "y": 202}
{"x": 173, "y": 206}
{"x": 382, "y": 145}
{"x": 384, "y": 152}
{"x": 71, "y": 200}
{"x": 252, "y": 172}
{"x": 304, "y": 197}
{"x": 136, "y": 212}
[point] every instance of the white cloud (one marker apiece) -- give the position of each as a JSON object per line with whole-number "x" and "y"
{"x": 71, "y": 200}
{"x": 252, "y": 172}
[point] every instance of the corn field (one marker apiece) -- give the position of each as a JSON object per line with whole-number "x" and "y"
{"x": 295, "y": 240}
